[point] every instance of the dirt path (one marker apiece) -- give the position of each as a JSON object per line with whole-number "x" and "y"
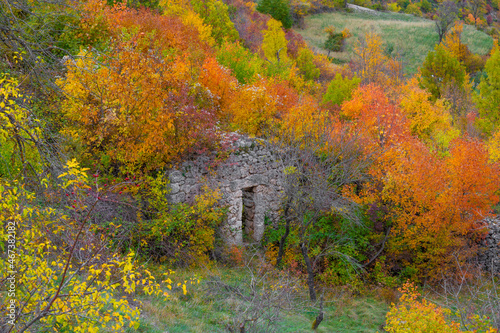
{"x": 362, "y": 9}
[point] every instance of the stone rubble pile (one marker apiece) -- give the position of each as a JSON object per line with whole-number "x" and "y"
{"x": 489, "y": 256}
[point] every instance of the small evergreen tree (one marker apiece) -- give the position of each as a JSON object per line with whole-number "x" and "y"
{"x": 334, "y": 41}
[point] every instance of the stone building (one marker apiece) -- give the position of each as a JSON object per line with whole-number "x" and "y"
{"x": 250, "y": 182}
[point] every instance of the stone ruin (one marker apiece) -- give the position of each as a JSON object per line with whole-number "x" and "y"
{"x": 250, "y": 182}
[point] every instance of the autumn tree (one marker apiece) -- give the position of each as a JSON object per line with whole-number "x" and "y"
{"x": 130, "y": 120}
{"x": 453, "y": 44}
{"x": 35, "y": 35}
{"x": 274, "y": 46}
{"x": 372, "y": 65}
{"x": 425, "y": 225}
{"x": 215, "y": 13}
{"x": 376, "y": 120}
{"x": 249, "y": 23}
{"x": 316, "y": 165}
{"x": 430, "y": 121}
{"x": 433, "y": 230}
{"x": 477, "y": 8}
{"x": 220, "y": 83}
{"x": 21, "y": 135}
{"x": 446, "y": 15}
{"x": 441, "y": 69}
{"x": 305, "y": 63}
{"x": 334, "y": 40}
{"x": 67, "y": 275}
{"x": 488, "y": 97}
{"x": 244, "y": 64}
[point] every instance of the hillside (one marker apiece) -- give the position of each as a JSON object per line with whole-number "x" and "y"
{"x": 409, "y": 36}
{"x": 193, "y": 166}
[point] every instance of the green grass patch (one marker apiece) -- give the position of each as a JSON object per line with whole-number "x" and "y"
{"x": 199, "y": 311}
{"x": 409, "y": 36}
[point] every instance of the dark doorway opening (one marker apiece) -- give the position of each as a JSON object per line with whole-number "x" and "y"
{"x": 248, "y": 214}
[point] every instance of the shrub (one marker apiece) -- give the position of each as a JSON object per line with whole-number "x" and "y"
{"x": 242, "y": 62}
{"x": 182, "y": 233}
{"x": 394, "y": 7}
{"x": 425, "y": 6}
{"x": 413, "y": 9}
{"x": 418, "y": 316}
{"x": 335, "y": 41}
{"x": 340, "y": 89}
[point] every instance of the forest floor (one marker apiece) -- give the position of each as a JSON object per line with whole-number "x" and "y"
{"x": 405, "y": 35}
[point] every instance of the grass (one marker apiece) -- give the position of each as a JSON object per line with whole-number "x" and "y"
{"x": 409, "y": 36}
{"x": 199, "y": 312}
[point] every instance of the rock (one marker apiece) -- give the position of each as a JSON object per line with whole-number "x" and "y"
{"x": 175, "y": 176}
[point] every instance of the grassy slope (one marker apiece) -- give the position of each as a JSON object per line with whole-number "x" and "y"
{"x": 411, "y": 36}
{"x": 199, "y": 313}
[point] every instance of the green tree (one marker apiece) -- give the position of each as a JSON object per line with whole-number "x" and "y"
{"x": 340, "y": 89}
{"x": 335, "y": 41}
{"x": 488, "y": 98}
{"x": 215, "y": 13}
{"x": 425, "y": 6}
{"x": 242, "y": 62}
{"x": 278, "y": 9}
{"x": 440, "y": 70}
{"x": 305, "y": 62}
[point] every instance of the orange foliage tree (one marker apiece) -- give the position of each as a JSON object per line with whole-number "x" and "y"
{"x": 432, "y": 203}
{"x": 136, "y": 106}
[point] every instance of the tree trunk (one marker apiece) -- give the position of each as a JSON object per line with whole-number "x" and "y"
{"x": 310, "y": 274}
{"x": 281, "y": 249}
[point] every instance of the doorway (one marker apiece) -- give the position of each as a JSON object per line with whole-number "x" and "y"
{"x": 248, "y": 214}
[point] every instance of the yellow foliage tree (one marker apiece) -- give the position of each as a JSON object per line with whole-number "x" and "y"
{"x": 494, "y": 147}
{"x": 254, "y": 108}
{"x": 418, "y": 316}
{"x": 274, "y": 46}
{"x": 372, "y": 59}
{"x": 20, "y": 131}
{"x": 62, "y": 275}
{"x": 430, "y": 121}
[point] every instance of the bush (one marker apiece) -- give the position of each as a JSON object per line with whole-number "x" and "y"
{"x": 335, "y": 41}
{"x": 340, "y": 89}
{"x": 418, "y": 316}
{"x": 182, "y": 233}
{"x": 394, "y": 7}
{"x": 413, "y": 10}
{"x": 243, "y": 63}
{"x": 305, "y": 62}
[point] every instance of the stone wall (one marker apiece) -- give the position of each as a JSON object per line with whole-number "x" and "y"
{"x": 249, "y": 179}
{"x": 489, "y": 257}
